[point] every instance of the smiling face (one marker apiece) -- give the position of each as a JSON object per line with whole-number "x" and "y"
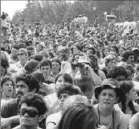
{"x": 107, "y": 98}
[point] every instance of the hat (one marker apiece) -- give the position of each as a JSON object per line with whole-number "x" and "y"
{"x": 110, "y": 83}
{"x": 23, "y": 50}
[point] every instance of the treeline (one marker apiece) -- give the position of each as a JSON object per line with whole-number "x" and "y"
{"x": 59, "y": 11}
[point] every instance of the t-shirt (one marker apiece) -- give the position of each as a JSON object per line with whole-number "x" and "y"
{"x": 134, "y": 122}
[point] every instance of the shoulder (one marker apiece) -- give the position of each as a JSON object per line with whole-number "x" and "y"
{"x": 136, "y": 106}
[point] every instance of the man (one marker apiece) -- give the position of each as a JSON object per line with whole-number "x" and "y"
{"x": 45, "y": 68}
{"x": 24, "y": 84}
{"x": 31, "y": 107}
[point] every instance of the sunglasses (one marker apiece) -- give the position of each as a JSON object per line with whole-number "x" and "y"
{"x": 31, "y": 113}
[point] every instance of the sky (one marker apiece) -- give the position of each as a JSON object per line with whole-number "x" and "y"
{"x": 10, "y": 7}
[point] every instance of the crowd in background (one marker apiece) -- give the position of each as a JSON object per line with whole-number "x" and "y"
{"x": 70, "y": 76}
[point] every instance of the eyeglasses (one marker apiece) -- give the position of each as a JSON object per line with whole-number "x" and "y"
{"x": 31, "y": 113}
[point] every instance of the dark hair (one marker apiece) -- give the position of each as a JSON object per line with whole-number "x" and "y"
{"x": 45, "y": 62}
{"x": 39, "y": 76}
{"x": 34, "y": 100}
{"x": 126, "y": 86}
{"x": 126, "y": 54}
{"x": 79, "y": 116}
{"x": 5, "y": 79}
{"x": 30, "y": 80}
{"x": 4, "y": 63}
{"x": 37, "y": 57}
{"x": 69, "y": 89}
{"x": 67, "y": 78}
{"x": 117, "y": 71}
{"x": 116, "y": 48}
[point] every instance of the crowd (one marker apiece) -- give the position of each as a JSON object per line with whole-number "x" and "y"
{"x": 69, "y": 76}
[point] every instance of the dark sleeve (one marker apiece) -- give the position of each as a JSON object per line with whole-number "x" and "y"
{"x": 9, "y": 109}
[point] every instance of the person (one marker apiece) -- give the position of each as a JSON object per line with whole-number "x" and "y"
{"x": 45, "y": 68}
{"x": 63, "y": 93}
{"x": 24, "y": 85}
{"x": 128, "y": 105}
{"x": 108, "y": 94}
{"x": 79, "y": 116}
{"x": 7, "y": 87}
{"x": 31, "y": 107}
{"x": 134, "y": 122}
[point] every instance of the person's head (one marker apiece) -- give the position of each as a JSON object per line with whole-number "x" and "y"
{"x": 7, "y": 85}
{"x": 14, "y": 49}
{"x": 31, "y": 66}
{"x": 63, "y": 78}
{"x": 46, "y": 67}
{"x": 86, "y": 85}
{"x": 22, "y": 54}
{"x": 110, "y": 61}
{"x": 56, "y": 66}
{"x": 119, "y": 73}
{"x": 128, "y": 89}
{"x": 31, "y": 50}
{"x": 31, "y": 108}
{"x": 4, "y": 66}
{"x": 114, "y": 49}
{"x": 109, "y": 93}
{"x": 79, "y": 116}
{"x": 71, "y": 100}
{"x": 130, "y": 71}
{"x": 129, "y": 57}
{"x": 38, "y": 57}
{"x": 26, "y": 83}
{"x": 65, "y": 91}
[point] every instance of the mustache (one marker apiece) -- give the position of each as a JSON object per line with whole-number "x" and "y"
{"x": 19, "y": 93}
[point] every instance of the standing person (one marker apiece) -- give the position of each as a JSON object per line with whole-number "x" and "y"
{"x": 31, "y": 107}
{"x": 24, "y": 85}
{"x": 108, "y": 94}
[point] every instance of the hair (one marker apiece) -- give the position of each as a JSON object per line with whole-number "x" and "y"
{"x": 39, "y": 76}
{"x": 116, "y": 48}
{"x": 126, "y": 54}
{"x": 34, "y": 100}
{"x": 45, "y": 62}
{"x": 79, "y": 116}
{"x": 69, "y": 89}
{"x": 117, "y": 71}
{"x": 30, "y": 80}
{"x": 38, "y": 57}
{"x": 56, "y": 60}
{"x": 5, "y": 79}
{"x": 107, "y": 60}
{"x": 67, "y": 78}
{"x": 31, "y": 65}
{"x": 126, "y": 86}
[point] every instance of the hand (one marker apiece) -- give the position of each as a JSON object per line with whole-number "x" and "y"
{"x": 5, "y": 122}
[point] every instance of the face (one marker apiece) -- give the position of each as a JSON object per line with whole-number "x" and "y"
{"x": 21, "y": 89}
{"x": 132, "y": 95}
{"x": 22, "y": 56}
{"x": 130, "y": 59}
{"x": 55, "y": 66}
{"x": 60, "y": 81}
{"x": 3, "y": 71}
{"x": 46, "y": 70}
{"x": 112, "y": 63}
{"x": 28, "y": 116}
{"x": 107, "y": 98}
{"x": 62, "y": 99}
{"x": 14, "y": 51}
{"x": 120, "y": 78}
{"x": 7, "y": 88}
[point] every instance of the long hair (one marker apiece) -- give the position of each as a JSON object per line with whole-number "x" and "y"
{"x": 126, "y": 86}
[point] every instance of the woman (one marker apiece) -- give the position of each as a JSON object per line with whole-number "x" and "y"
{"x": 128, "y": 106}
{"x": 108, "y": 94}
{"x": 79, "y": 116}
